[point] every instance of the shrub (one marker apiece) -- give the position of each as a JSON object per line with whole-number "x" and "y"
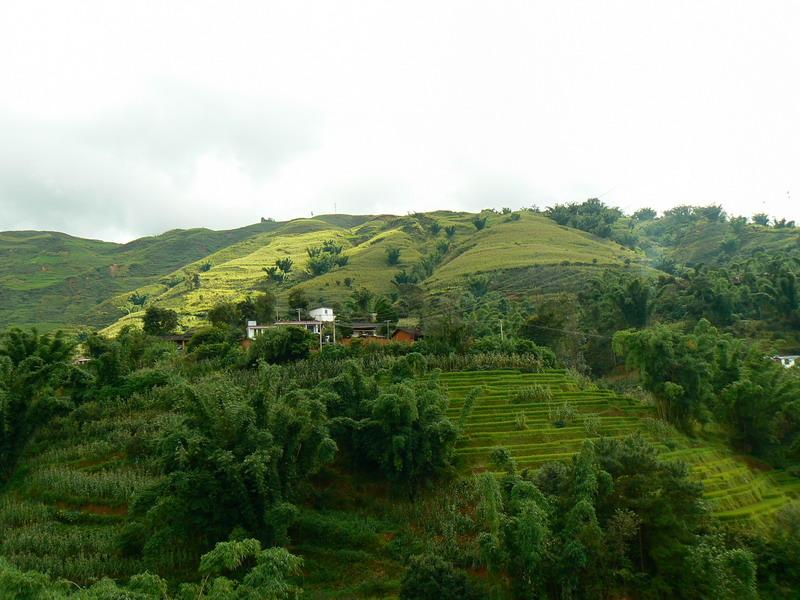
{"x": 392, "y": 256}
{"x": 591, "y": 424}
{"x": 532, "y": 393}
{"x": 431, "y": 578}
{"x": 563, "y": 414}
{"x": 159, "y": 321}
{"x": 280, "y": 345}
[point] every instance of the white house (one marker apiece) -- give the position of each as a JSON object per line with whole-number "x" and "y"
{"x": 787, "y": 361}
{"x": 254, "y": 329}
{"x": 314, "y": 327}
{"x": 322, "y": 314}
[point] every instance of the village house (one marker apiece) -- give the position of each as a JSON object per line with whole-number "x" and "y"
{"x": 323, "y": 314}
{"x": 407, "y": 335}
{"x": 788, "y": 360}
{"x": 364, "y": 329}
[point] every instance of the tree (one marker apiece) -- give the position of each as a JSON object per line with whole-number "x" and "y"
{"x": 681, "y": 370}
{"x": 159, "y": 321}
{"x": 430, "y": 578}
{"x": 225, "y": 313}
{"x": 479, "y": 222}
{"x": 230, "y": 463}
{"x": 34, "y": 368}
{"x": 285, "y": 264}
{"x": 392, "y": 256}
{"x": 450, "y": 231}
{"x": 298, "y": 299}
{"x": 265, "y": 307}
{"x": 644, "y": 214}
{"x": 280, "y": 345}
{"x": 407, "y": 433}
{"x": 761, "y": 219}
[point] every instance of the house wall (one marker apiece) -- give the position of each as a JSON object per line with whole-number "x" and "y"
{"x": 403, "y": 336}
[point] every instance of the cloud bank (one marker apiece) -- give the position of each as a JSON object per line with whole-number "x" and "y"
{"x": 125, "y": 119}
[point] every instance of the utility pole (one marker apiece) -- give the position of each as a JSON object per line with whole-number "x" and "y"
{"x": 387, "y": 328}
{"x": 298, "y": 314}
{"x": 502, "y": 337}
{"x": 334, "y": 331}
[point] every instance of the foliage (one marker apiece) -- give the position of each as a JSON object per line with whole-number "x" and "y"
{"x": 159, "y": 321}
{"x": 325, "y": 257}
{"x": 280, "y": 345}
{"x": 392, "y": 256}
{"x": 232, "y": 462}
{"x": 407, "y": 433}
{"x": 479, "y": 222}
{"x": 592, "y": 216}
{"x": 430, "y": 578}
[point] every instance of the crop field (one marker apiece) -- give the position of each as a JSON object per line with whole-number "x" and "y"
{"x": 63, "y": 510}
{"x": 535, "y": 430}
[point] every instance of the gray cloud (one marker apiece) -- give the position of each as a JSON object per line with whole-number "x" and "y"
{"x": 125, "y": 172}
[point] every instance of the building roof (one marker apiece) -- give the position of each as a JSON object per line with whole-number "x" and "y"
{"x": 299, "y": 323}
{"x": 413, "y": 331}
{"x": 365, "y": 325}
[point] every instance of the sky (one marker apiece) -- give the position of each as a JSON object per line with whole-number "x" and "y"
{"x": 120, "y": 119}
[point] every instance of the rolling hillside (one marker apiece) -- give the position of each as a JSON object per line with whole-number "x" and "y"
{"x": 54, "y": 280}
{"x": 531, "y": 254}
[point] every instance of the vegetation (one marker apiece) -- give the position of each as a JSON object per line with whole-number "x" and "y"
{"x": 592, "y": 413}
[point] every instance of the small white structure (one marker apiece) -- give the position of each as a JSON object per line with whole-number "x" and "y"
{"x": 787, "y": 361}
{"x": 314, "y": 327}
{"x": 322, "y": 314}
{"x": 254, "y": 329}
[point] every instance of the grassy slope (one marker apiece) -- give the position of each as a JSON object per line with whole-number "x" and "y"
{"x": 52, "y": 279}
{"x": 528, "y": 255}
{"x": 702, "y": 243}
{"x": 736, "y": 487}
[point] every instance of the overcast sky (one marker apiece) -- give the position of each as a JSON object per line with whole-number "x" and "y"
{"x": 122, "y": 119}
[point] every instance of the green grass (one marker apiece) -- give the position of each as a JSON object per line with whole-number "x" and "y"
{"x": 735, "y": 487}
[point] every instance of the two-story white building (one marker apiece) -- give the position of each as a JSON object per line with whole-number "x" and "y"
{"x": 323, "y": 314}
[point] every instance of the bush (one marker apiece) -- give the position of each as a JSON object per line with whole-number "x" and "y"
{"x": 431, "y": 578}
{"x": 159, "y": 321}
{"x": 392, "y": 256}
{"x": 280, "y": 345}
{"x": 563, "y": 414}
{"x": 532, "y": 393}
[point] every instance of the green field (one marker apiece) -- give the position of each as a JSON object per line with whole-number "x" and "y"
{"x": 733, "y": 488}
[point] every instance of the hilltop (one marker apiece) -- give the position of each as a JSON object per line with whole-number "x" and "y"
{"x": 54, "y": 280}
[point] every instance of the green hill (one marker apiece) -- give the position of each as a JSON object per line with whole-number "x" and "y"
{"x": 530, "y": 253}
{"x": 54, "y": 280}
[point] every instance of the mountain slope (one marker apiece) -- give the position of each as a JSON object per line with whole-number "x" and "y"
{"x": 52, "y": 279}
{"x": 527, "y": 249}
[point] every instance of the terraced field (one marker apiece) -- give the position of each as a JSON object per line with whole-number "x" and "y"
{"x": 733, "y": 489}
{"x": 67, "y": 503}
